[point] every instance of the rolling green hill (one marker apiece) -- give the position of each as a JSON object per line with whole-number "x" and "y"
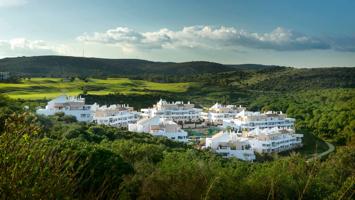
{"x": 61, "y": 66}
{"x": 65, "y": 66}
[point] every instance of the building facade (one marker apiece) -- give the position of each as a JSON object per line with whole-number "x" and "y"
{"x": 158, "y": 126}
{"x": 273, "y": 140}
{"x": 74, "y": 106}
{"x": 178, "y": 111}
{"x": 114, "y": 115}
{"x": 246, "y": 120}
{"x": 218, "y": 112}
{"x": 228, "y": 144}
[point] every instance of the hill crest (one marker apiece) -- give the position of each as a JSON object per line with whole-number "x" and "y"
{"x": 59, "y": 66}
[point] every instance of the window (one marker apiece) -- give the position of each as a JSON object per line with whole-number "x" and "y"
{"x": 224, "y": 154}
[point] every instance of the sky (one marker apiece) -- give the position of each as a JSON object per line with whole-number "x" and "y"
{"x": 302, "y": 33}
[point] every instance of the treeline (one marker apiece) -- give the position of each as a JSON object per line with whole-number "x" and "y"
{"x": 42, "y": 158}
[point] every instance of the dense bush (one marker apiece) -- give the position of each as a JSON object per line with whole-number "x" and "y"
{"x": 35, "y": 167}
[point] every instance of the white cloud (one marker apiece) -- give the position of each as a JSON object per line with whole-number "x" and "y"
{"x": 25, "y": 47}
{"x": 12, "y": 3}
{"x": 206, "y": 37}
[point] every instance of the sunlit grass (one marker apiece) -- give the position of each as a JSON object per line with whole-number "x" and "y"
{"x": 41, "y": 88}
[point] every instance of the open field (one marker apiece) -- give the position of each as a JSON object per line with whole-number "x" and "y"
{"x": 40, "y": 88}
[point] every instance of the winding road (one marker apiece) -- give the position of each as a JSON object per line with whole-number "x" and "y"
{"x": 331, "y": 148}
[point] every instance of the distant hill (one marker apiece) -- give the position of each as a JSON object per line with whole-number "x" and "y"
{"x": 253, "y": 67}
{"x": 284, "y": 79}
{"x": 292, "y": 79}
{"x": 251, "y": 76}
{"x": 59, "y": 66}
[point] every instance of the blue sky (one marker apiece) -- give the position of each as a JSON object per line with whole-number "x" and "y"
{"x": 301, "y": 33}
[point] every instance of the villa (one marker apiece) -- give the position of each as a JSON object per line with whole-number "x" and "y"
{"x": 158, "y": 126}
{"x": 272, "y": 140}
{"x": 74, "y": 106}
{"x": 218, "y": 112}
{"x": 178, "y": 111}
{"x": 228, "y": 144}
{"x": 246, "y": 120}
{"x": 114, "y": 115}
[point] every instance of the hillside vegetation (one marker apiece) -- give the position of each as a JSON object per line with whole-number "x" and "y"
{"x": 305, "y": 79}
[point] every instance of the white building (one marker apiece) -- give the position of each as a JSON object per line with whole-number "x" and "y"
{"x": 114, "y": 115}
{"x": 4, "y": 75}
{"x": 246, "y": 120}
{"x": 228, "y": 144}
{"x": 158, "y": 126}
{"x": 273, "y": 140}
{"x": 177, "y": 111}
{"x": 74, "y": 106}
{"x": 218, "y": 112}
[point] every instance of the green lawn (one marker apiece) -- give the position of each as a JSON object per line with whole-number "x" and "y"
{"x": 40, "y": 88}
{"x": 312, "y": 144}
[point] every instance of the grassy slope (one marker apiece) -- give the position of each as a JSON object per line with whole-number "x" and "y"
{"x": 40, "y": 88}
{"x": 311, "y": 145}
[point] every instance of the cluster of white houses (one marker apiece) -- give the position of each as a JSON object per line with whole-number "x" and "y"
{"x": 242, "y": 145}
{"x": 114, "y": 115}
{"x": 218, "y": 113}
{"x": 159, "y": 126}
{"x": 243, "y": 132}
{"x": 246, "y": 120}
{"x": 161, "y": 120}
{"x": 176, "y": 111}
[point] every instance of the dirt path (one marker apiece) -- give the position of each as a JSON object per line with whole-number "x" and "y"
{"x": 331, "y": 148}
